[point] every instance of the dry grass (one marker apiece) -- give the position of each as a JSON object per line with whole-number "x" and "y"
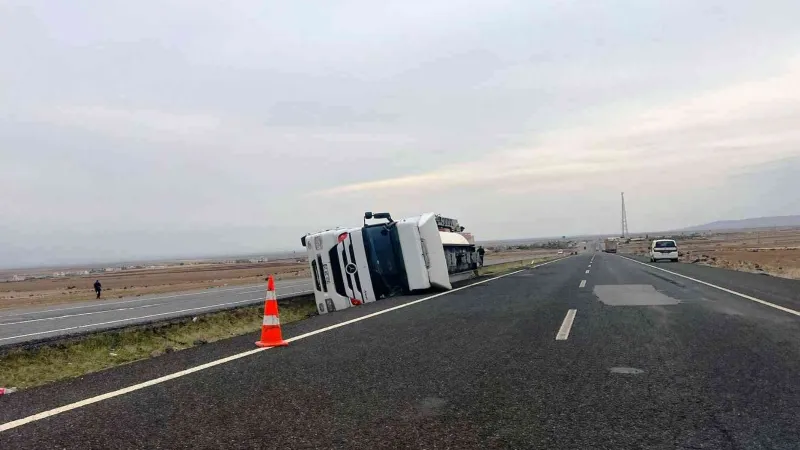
{"x": 521, "y": 254}
{"x": 25, "y": 368}
{"x": 507, "y": 267}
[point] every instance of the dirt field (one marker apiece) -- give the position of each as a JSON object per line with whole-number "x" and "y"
{"x": 776, "y": 252}
{"x": 54, "y": 291}
{"x": 140, "y": 282}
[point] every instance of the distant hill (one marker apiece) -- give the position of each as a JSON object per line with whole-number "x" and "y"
{"x": 756, "y": 222}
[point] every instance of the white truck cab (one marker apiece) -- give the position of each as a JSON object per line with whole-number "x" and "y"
{"x": 661, "y": 249}
{"x": 352, "y": 266}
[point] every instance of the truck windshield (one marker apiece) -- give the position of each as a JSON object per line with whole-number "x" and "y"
{"x": 385, "y": 259}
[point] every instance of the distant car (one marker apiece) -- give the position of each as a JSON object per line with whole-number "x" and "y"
{"x": 661, "y": 249}
{"x": 561, "y": 252}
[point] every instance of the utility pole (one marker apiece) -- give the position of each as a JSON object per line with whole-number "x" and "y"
{"x": 624, "y": 218}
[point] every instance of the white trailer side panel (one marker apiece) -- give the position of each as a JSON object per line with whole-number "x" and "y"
{"x": 413, "y": 258}
{"x": 433, "y": 248}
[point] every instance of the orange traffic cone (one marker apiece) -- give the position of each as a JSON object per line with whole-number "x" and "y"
{"x": 271, "y": 327}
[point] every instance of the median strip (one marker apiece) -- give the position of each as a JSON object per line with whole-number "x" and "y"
{"x": 129, "y": 319}
{"x": 29, "y": 367}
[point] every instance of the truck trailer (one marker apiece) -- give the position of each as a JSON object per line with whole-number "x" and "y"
{"x": 610, "y": 246}
{"x": 352, "y": 266}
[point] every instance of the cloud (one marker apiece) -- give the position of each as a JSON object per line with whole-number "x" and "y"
{"x": 129, "y": 125}
{"x": 707, "y": 135}
{"x": 126, "y": 123}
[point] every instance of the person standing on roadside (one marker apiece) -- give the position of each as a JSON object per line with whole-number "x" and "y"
{"x": 481, "y": 252}
{"x": 98, "y": 288}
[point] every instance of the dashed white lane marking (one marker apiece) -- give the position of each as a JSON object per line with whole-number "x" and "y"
{"x": 128, "y": 319}
{"x": 587, "y": 270}
{"x": 745, "y": 296}
{"x": 52, "y": 412}
{"x": 583, "y": 283}
{"x": 566, "y": 325}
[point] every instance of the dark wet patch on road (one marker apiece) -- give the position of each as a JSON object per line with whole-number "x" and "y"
{"x": 632, "y": 295}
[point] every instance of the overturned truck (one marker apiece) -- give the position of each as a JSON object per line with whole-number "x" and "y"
{"x": 351, "y": 266}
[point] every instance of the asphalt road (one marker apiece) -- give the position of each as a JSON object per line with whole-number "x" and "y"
{"x": 34, "y": 324}
{"x": 31, "y": 324}
{"x": 649, "y": 360}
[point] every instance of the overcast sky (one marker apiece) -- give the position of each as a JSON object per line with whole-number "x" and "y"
{"x": 163, "y": 128}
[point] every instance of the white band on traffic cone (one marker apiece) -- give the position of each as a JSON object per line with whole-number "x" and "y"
{"x": 271, "y": 320}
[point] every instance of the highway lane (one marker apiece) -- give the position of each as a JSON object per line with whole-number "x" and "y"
{"x": 782, "y": 291}
{"x": 32, "y": 324}
{"x": 650, "y": 360}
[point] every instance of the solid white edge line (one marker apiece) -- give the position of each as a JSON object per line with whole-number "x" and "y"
{"x": 583, "y": 283}
{"x": 566, "y": 325}
{"x": 136, "y": 387}
{"x": 52, "y": 412}
{"x": 745, "y": 296}
{"x": 405, "y": 305}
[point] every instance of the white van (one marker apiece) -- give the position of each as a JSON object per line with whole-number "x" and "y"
{"x": 663, "y": 249}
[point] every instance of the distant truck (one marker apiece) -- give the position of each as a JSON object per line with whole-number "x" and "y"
{"x": 352, "y": 266}
{"x": 610, "y": 246}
